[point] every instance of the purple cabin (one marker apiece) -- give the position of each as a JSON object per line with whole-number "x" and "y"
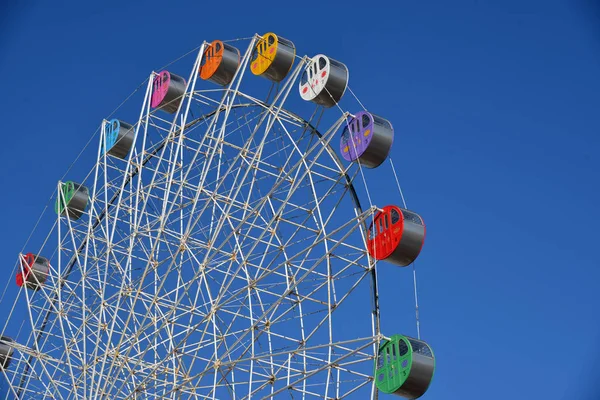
{"x": 367, "y": 139}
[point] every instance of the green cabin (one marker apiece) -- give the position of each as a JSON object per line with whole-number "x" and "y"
{"x": 404, "y": 366}
{"x": 71, "y": 200}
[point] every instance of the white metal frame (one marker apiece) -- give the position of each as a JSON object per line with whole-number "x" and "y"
{"x": 216, "y": 261}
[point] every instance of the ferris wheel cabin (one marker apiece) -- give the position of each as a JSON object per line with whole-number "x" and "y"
{"x": 6, "y": 351}
{"x": 405, "y": 367}
{"x": 273, "y": 57}
{"x": 72, "y": 200}
{"x": 324, "y": 81}
{"x": 167, "y": 91}
{"x": 219, "y": 63}
{"x": 34, "y": 271}
{"x": 119, "y": 138}
{"x": 396, "y": 235}
{"x": 367, "y": 139}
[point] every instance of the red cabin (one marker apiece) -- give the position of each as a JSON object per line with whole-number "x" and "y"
{"x": 396, "y": 235}
{"x": 34, "y": 271}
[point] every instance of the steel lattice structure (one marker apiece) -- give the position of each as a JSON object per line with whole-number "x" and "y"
{"x": 224, "y": 257}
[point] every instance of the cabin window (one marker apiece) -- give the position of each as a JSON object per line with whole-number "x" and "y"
{"x": 387, "y": 356}
{"x": 420, "y": 348}
{"x": 402, "y": 348}
{"x": 412, "y": 217}
{"x": 322, "y": 63}
{"x": 284, "y": 42}
{"x": 304, "y": 78}
{"x": 380, "y": 359}
{"x": 379, "y": 123}
{"x": 365, "y": 121}
{"x": 345, "y": 134}
{"x": 395, "y": 216}
{"x": 373, "y": 229}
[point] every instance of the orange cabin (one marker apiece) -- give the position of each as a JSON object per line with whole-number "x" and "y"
{"x": 396, "y": 235}
{"x": 220, "y": 62}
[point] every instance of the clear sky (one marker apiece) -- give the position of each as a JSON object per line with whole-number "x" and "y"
{"x": 496, "y": 106}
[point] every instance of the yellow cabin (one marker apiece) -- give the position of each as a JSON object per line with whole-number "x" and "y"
{"x": 273, "y": 57}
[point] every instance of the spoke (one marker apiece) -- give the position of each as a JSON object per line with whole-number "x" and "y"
{"x": 223, "y": 257}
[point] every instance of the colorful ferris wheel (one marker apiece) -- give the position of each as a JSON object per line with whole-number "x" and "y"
{"x": 222, "y": 246}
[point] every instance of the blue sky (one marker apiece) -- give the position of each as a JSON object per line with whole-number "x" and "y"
{"x": 496, "y": 111}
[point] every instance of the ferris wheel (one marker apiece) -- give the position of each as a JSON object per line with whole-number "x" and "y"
{"x": 222, "y": 246}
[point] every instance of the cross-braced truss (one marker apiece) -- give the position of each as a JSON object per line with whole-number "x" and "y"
{"x": 223, "y": 258}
